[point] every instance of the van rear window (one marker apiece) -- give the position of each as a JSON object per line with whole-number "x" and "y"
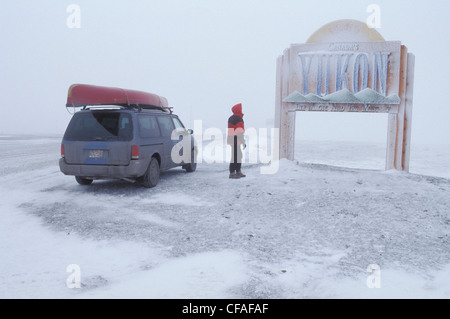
{"x": 100, "y": 126}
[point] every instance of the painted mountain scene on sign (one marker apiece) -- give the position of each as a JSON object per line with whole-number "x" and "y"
{"x": 366, "y": 96}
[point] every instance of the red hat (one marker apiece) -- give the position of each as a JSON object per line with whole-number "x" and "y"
{"x": 237, "y": 110}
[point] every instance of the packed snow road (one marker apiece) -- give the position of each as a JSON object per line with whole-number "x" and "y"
{"x": 309, "y": 231}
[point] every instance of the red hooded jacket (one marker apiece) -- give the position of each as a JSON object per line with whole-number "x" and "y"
{"x": 236, "y": 125}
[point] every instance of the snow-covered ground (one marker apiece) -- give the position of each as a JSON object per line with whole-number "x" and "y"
{"x": 309, "y": 231}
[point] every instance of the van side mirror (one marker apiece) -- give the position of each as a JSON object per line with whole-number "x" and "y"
{"x": 190, "y": 131}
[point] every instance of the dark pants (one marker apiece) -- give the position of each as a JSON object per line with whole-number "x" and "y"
{"x": 236, "y": 157}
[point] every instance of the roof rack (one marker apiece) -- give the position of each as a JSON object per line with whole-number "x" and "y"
{"x": 138, "y": 107}
{"x": 84, "y": 96}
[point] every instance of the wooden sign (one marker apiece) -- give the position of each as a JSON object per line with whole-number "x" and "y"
{"x": 339, "y": 74}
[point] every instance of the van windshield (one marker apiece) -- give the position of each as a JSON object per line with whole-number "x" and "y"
{"x": 100, "y": 126}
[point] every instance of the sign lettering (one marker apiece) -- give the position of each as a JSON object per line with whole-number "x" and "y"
{"x": 344, "y": 62}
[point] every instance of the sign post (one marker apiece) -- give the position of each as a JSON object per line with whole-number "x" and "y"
{"x": 347, "y": 67}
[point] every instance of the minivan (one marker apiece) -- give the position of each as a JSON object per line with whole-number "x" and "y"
{"x": 123, "y": 134}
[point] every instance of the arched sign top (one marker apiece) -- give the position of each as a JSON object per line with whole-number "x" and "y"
{"x": 346, "y": 30}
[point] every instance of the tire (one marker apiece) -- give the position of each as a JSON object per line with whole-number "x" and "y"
{"x": 151, "y": 176}
{"x": 192, "y": 166}
{"x": 83, "y": 181}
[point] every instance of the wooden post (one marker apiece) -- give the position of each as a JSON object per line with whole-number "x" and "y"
{"x": 408, "y": 112}
{"x": 401, "y": 110}
{"x": 391, "y": 141}
{"x": 278, "y": 100}
{"x": 404, "y": 117}
{"x": 399, "y": 125}
{"x": 287, "y": 119}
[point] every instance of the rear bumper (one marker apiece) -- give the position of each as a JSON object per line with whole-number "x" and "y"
{"x": 135, "y": 169}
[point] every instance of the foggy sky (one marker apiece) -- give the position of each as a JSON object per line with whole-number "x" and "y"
{"x": 204, "y": 57}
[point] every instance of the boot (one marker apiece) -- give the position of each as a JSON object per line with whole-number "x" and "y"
{"x": 240, "y": 174}
{"x": 233, "y": 175}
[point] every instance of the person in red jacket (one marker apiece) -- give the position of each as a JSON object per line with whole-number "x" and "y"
{"x": 235, "y": 139}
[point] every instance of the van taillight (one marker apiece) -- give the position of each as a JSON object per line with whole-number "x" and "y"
{"x": 62, "y": 150}
{"x": 135, "y": 152}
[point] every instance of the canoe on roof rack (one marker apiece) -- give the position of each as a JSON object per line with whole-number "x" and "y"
{"x": 83, "y": 95}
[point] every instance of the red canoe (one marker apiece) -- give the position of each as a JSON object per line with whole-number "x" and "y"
{"x": 81, "y": 95}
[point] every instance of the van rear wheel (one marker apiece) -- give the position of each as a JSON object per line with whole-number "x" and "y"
{"x": 83, "y": 181}
{"x": 151, "y": 176}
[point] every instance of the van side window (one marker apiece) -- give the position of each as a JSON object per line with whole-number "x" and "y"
{"x": 178, "y": 125}
{"x": 166, "y": 125}
{"x": 148, "y": 126}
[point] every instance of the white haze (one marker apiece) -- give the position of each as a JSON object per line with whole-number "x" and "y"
{"x": 205, "y": 56}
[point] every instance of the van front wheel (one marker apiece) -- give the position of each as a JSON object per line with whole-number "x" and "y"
{"x": 192, "y": 166}
{"x": 151, "y": 176}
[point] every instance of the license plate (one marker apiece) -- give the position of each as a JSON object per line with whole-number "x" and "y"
{"x": 95, "y": 153}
